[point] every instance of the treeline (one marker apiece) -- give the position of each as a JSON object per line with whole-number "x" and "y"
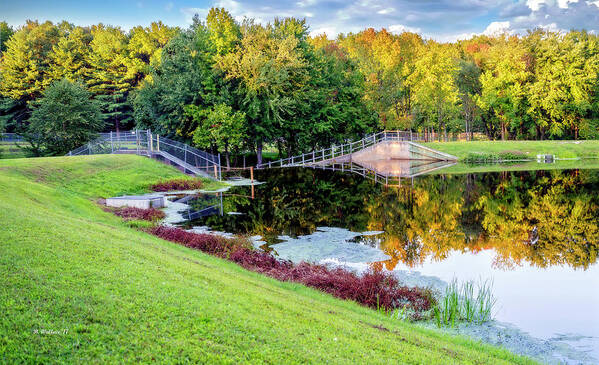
{"x": 231, "y": 87}
{"x": 539, "y": 86}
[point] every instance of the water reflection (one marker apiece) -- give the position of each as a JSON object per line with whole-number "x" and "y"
{"x": 543, "y": 218}
{"x": 386, "y": 171}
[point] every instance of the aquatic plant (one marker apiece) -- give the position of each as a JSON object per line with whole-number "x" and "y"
{"x": 132, "y": 213}
{"x": 375, "y": 289}
{"x": 468, "y": 302}
{"x": 177, "y": 184}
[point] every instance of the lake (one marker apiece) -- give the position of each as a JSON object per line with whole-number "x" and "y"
{"x": 534, "y": 233}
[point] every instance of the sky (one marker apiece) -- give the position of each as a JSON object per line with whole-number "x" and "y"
{"x": 442, "y": 20}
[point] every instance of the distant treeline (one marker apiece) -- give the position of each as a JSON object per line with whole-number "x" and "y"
{"x": 233, "y": 87}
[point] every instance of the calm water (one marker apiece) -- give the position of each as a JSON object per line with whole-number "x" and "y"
{"x": 536, "y": 234}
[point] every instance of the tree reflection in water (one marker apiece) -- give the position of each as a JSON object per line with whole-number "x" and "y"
{"x": 544, "y": 218}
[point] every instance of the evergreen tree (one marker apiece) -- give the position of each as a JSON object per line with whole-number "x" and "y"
{"x": 111, "y": 76}
{"x": 5, "y": 33}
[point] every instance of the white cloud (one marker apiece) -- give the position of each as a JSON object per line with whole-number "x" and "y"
{"x": 497, "y": 28}
{"x": 535, "y": 5}
{"x": 385, "y": 11}
{"x": 331, "y": 32}
{"x": 443, "y": 20}
{"x": 400, "y": 28}
{"x": 169, "y": 6}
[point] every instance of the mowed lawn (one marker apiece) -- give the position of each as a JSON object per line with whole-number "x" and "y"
{"x": 79, "y": 285}
{"x": 11, "y": 150}
{"x": 561, "y": 149}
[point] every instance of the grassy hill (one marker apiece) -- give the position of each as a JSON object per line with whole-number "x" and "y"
{"x": 79, "y": 285}
{"x": 561, "y": 149}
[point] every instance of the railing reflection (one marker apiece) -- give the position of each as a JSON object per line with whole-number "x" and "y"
{"x": 387, "y": 172}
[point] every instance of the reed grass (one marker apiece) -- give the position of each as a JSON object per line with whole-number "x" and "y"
{"x": 470, "y": 301}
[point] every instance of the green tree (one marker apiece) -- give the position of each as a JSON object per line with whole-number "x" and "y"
{"x": 6, "y": 32}
{"x": 69, "y": 57}
{"x": 112, "y": 76}
{"x": 64, "y": 118}
{"x": 270, "y": 71}
{"x": 24, "y": 70}
{"x": 565, "y": 74}
{"x": 224, "y": 31}
{"x": 435, "y": 91}
{"x": 218, "y": 127}
{"x": 503, "y": 87}
{"x": 184, "y": 77}
{"x": 468, "y": 82}
{"x": 145, "y": 48}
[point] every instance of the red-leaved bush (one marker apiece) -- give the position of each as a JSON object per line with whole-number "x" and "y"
{"x": 177, "y": 184}
{"x": 211, "y": 244}
{"x": 130, "y": 213}
{"x": 375, "y": 289}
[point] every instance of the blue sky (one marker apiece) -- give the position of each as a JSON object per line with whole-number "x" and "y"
{"x": 444, "y": 20}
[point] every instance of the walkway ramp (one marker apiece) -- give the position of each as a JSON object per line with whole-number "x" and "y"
{"x": 387, "y": 145}
{"x": 144, "y": 143}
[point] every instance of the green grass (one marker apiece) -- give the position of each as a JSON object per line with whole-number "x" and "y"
{"x": 115, "y": 294}
{"x": 9, "y": 150}
{"x": 561, "y": 149}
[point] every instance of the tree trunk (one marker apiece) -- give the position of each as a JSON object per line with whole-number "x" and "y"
{"x": 259, "y": 152}
{"x": 227, "y": 157}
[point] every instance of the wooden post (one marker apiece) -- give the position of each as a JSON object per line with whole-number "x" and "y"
{"x": 215, "y": 172}
{"x": 252, "y": 174}
{"x": 111, "y": 143}
{"x": 158, "y": 142}
{"x": 252, "y": 191}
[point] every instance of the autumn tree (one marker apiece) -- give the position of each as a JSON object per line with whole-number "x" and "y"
{"x": 435, "y": 91}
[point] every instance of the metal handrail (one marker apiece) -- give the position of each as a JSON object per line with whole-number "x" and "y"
{"x": 326, "y": 154}
{"x": 152, "y": 145}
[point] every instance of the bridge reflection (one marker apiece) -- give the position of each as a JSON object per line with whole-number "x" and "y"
{"x": 388, "y": 172}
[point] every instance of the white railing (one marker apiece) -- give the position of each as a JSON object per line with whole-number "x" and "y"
{"x": 144, "y": 142}
{"x": 387, "y": 179}
{"x": 335, "y": 152}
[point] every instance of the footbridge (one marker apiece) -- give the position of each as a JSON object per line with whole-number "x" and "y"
{"x": 145, "y": 143}
{"x": 375, "y": 149}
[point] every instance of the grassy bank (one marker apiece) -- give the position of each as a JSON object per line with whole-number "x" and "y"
{"x": 11, "y": 150}
{"x": 530, "y": 149}
{"x": 80, "y": 285}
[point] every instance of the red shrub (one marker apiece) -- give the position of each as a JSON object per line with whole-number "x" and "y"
{"x": 375, "y": 289}
{"x": 130, "y": 213}
{"x": 214, "y": 245}
{"x": 177, "y": 184}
